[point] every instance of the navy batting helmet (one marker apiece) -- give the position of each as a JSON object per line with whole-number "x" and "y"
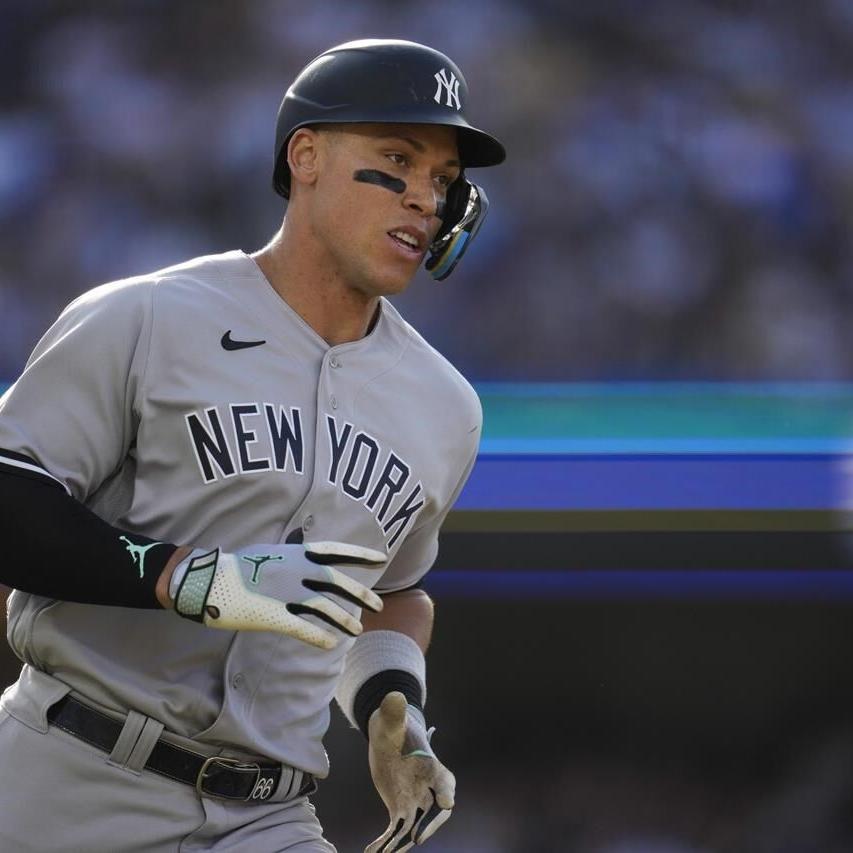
{"x": 380, "y": 80}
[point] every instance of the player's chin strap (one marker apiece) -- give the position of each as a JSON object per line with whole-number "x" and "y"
{"x": 466, "y": 209}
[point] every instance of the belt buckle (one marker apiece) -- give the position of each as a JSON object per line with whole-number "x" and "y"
{"x": 227, "y": 762}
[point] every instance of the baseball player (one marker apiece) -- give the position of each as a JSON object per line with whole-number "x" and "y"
{"x": 221, "y": 485}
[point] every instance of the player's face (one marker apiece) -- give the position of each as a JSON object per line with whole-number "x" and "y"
{"x": 381, "y": 195}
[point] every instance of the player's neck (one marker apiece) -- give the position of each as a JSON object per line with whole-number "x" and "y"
{"x": 337, "y": 313}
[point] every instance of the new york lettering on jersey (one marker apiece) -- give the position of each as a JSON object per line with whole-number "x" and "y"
{"x": 268, "y": 437}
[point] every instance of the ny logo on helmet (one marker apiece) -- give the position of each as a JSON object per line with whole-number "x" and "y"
{"x": 451, "y": 86}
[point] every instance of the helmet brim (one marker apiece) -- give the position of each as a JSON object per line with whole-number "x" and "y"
{"x": 478, "y": 148}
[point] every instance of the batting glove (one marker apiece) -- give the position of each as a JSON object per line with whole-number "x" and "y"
{"x": 274, "y": 587}
{"x": 417, "y": 789}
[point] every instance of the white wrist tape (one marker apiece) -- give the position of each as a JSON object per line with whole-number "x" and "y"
{"x": 374, "y": 652}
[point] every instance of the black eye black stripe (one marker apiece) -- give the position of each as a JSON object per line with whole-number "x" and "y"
{"x": 381, "y": 179}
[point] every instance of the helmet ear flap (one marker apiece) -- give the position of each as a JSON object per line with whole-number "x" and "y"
{"x": 465, "y": 211}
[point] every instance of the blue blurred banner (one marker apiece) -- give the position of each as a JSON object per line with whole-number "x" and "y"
{"x": 655, "y": 481}
{"x": 661, "y": 446}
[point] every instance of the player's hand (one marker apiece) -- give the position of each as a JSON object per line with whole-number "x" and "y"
{"x": 274, "y": 587}
{"x": 417, "y": 789}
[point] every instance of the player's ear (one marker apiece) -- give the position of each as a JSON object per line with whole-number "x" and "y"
{"x": 303, "y": 155}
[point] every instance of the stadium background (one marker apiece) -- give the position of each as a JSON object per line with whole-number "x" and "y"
{"x": 656, "y": 315}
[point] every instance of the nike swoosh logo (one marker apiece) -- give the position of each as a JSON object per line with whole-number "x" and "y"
{"x": 229, "y": 344}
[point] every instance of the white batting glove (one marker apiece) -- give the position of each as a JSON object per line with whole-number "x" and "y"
{"x": 273, "y": 587}
{"x": 417, "y": 789}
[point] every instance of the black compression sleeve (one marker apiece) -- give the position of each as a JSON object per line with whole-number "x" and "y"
{"x": 56, "y": 547}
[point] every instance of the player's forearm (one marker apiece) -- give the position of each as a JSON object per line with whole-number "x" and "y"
{"x": 56, "y": 547}
{"x": 410, "y": 612}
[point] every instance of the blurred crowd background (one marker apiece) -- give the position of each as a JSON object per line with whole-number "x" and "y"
{"x": 676, "y": 205}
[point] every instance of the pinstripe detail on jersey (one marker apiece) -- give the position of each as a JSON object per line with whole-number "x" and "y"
{"x": 23, "y": 466}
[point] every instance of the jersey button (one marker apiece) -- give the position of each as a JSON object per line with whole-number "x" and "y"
{"x": 237, "y": 681}
{"x": 333, "y": 402}
{"x": 308, "y": 523}
{"x": 333, "y": 361}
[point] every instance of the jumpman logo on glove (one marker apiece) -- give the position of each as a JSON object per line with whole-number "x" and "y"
{"x": 257, "y": 562}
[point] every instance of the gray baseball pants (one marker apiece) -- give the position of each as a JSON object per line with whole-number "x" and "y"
{"x": 58, "y": 793}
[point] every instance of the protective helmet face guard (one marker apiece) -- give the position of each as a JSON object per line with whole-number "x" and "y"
{"x": 394, "y": 82}
{"x": 466, "y": 209}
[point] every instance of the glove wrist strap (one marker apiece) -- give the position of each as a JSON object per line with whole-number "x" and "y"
{"x": 191, "y": 582}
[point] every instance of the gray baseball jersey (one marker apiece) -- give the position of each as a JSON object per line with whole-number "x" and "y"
{"x": 194, "y": 406}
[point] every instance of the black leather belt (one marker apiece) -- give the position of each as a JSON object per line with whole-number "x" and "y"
{"x": 215, "y": 776}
